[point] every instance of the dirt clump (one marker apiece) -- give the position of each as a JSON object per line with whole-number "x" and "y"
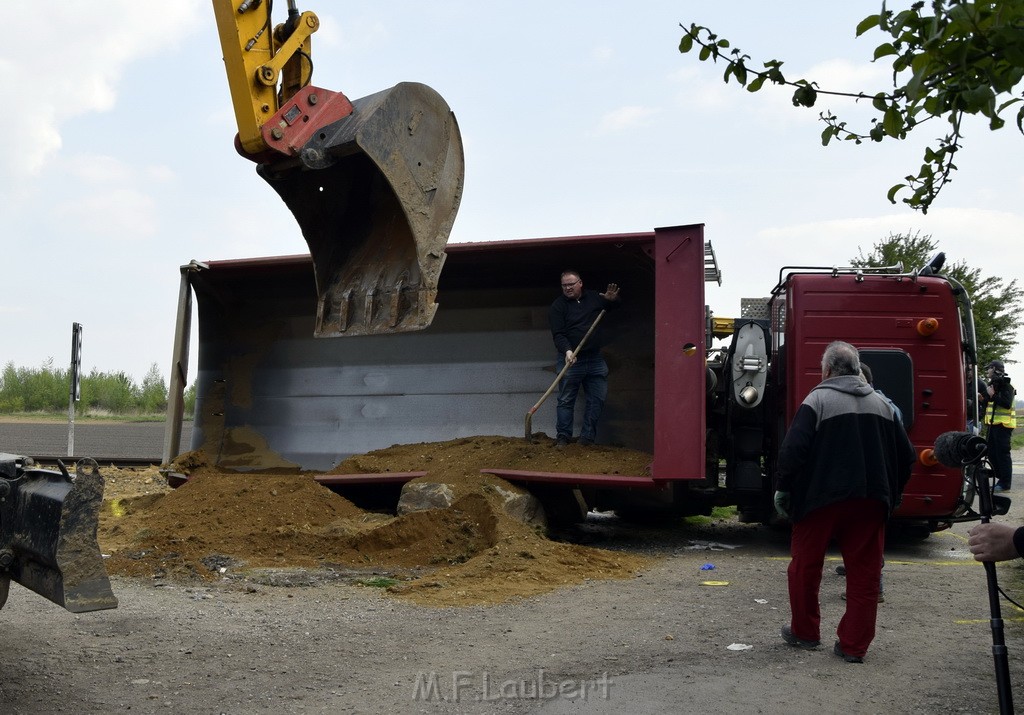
{"x": 228, "y": 524}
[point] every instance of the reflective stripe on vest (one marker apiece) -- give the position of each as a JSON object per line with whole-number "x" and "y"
{"x": 1001, "y": 416}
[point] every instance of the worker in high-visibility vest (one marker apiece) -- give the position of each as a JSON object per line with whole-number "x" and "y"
{"x": 999, "y": 418}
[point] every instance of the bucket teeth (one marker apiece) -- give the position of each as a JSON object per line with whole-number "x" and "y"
{"x": 378, "y": 310}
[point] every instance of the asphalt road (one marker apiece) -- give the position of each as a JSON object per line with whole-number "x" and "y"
{"x": 99, "y": 440}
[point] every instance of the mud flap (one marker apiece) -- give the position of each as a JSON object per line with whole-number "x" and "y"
{"x": 376, "y": 194}
{"x": 48, "y": 523}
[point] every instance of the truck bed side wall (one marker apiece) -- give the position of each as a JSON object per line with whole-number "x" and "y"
{"x": 270, "y": 395}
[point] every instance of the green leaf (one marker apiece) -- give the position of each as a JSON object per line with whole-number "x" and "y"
{"x": 805, "y": 96}
{"x": 895, "y": 190}
{"x": 892, "y": 122}
{"x": 756, "y": 83}
{"x": 884, "y": 50}
{"x": 686, "y": 44}
{"x": 867, "y": 23}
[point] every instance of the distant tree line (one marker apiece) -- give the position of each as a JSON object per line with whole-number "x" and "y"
{"x": 47, "y": 389}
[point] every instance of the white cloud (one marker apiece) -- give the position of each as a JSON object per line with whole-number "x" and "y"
{"x": 124, "y": 214}
{"x": 841, "y": 75}
{"x": 159, "y": 173}
{"x": 623, "y": 118}
{"x": 77, "y": 70}
{"x": 96, "y": 168}
{"x": 350, "y": 34}
{"x": 979, "y": 236}
{"x": 703, "y": 87}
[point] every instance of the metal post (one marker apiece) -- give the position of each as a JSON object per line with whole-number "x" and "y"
{"x": 71, "y": 424}
{"x": 179, "y": 366}
{"x": 75, "y": 386}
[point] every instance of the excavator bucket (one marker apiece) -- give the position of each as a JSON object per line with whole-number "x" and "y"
{"x": 375, "y": 194}
{"x": 48, "y": 523}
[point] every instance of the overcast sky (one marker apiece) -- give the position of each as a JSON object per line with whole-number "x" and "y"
{"x": 578, "y": 117}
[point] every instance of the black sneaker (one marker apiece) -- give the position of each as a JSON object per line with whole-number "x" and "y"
{"x": 584, "y": 442}
{"x": 787, "y": 635}
{"x": 848, "y": 658}
{"x": 561, "y": 442}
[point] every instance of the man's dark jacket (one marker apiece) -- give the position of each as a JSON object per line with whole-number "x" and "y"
{"x": 570, "y": 320}
{"x": 844, "y": 443}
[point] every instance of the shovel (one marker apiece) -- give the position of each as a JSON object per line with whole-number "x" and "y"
{"x": 568, "y": 364}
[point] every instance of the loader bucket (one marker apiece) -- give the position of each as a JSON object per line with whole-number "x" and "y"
{"x": 48, "y": 523}
{"x": 375, "y": 194}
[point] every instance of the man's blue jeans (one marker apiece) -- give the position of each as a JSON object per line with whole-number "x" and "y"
{"x": 591, "y": 373}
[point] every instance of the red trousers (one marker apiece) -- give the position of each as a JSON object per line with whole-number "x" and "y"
{"x": 859, "y": 527}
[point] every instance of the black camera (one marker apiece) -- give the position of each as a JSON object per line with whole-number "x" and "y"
{"x": 999, "y": 378}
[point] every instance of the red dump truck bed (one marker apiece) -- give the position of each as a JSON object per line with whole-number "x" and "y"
{"x": 271, "y": 394}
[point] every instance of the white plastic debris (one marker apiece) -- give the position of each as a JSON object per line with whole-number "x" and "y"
{"x": 697, "y": 545}
{"x": 739, "y": 646}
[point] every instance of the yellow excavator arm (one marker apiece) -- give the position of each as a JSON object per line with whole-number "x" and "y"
{"x": 374, "y": 183}
{"x": 258, "y": 57}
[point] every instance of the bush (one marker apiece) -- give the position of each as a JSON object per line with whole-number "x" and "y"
{"x": 47, "y": 389}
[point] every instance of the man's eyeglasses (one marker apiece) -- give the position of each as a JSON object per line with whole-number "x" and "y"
{"x": 566, "y": 286}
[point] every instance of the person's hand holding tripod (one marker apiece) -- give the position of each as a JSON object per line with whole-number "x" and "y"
{"x": 995, "y": 542}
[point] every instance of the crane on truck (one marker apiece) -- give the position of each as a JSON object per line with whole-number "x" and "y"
{"x": 709, "y": 397}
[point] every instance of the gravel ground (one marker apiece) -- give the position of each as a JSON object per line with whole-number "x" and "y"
{"x": 680, "y": 637}
{"x": 662, "y": 642}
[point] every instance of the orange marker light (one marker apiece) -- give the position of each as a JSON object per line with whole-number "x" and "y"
{"x": 927, "y": 326}
{"x": 927, "y": 457}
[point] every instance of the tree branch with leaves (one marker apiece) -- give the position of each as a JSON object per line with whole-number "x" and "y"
{"x": 965, "y": 58}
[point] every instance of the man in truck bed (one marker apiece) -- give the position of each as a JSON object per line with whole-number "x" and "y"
{"x": 571, "y": 316}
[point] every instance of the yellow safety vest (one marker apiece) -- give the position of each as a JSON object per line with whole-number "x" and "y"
{"x": 1001, "y": 416}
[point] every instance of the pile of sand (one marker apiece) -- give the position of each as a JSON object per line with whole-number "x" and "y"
{"x": 473, "y": 552}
